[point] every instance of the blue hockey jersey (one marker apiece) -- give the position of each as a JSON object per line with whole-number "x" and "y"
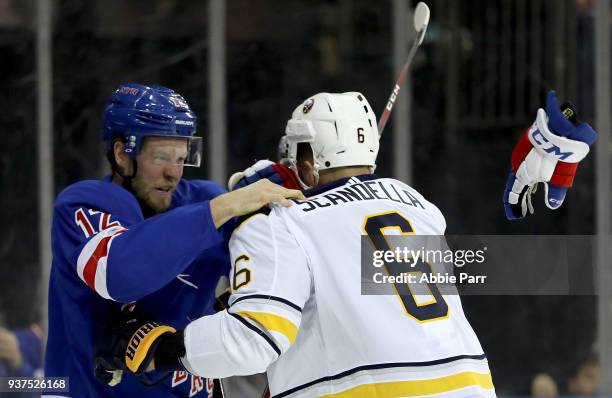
{"x": 105, "y": 254}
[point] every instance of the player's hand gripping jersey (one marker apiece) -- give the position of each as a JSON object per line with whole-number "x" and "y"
{"x": 297, "y": 310}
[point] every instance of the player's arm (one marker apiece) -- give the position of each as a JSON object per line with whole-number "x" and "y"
{"x": 249, "y": 199}
{"x": 270, "y": 282}
{"x": 122, "y": 258}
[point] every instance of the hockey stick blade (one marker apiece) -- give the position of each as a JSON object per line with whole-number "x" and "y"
{"x": 421, "y": 20}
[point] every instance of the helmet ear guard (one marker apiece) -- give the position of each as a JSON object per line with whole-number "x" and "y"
{"x": 283, "y": 151}
{"x": 341, "y": 130}
{"x": 299, "y": 132}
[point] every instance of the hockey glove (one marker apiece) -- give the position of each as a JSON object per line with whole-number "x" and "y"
{"x": 133, "y": 345}
{"x": 548, "y": 152}
{"x": 275, "y": 172}
{"x": 108, "y": 368}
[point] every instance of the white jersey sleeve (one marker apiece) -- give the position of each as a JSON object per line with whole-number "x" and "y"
{"x": 270, "y": 282}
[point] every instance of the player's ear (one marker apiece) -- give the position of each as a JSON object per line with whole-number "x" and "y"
{"x": 122, "y": 158}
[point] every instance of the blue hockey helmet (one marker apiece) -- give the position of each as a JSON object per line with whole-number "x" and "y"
{"x": 136, "y": 111}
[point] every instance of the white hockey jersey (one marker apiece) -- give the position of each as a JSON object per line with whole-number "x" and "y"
{"x": 297, "y": 311}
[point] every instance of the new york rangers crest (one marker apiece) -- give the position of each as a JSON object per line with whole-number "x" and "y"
{"x": 178, "y": 101}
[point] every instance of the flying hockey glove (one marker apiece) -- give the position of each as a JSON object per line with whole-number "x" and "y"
{"x": 275, "y": 172}
{"x": 548, "y": 152}
{"x": 133, "y": 346}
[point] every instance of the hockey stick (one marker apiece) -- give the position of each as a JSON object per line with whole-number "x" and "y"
{"x": 421, "y": 20}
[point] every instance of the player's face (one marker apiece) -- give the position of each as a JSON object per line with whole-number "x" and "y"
{"x": 160, "y": 167}
{"x": 306, "y": 172}
{"x": 305, "y": 166}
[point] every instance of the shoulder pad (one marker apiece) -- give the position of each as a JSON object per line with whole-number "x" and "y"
{"x": 100, "y": 195}
{"x": 264, "y": 210}
{"x": 192, "y": 191}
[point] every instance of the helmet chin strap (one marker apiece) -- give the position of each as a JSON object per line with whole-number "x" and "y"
{"x": 126, "y": 181}
{"x": 116, "y": 169}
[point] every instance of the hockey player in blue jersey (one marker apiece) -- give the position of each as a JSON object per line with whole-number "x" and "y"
{"x": 142, "y": 234}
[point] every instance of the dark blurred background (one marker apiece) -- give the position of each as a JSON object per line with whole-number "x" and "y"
{"x": 475, "y": 86}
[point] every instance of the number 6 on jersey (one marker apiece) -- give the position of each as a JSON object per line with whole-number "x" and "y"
{"x": 374, "y": 226}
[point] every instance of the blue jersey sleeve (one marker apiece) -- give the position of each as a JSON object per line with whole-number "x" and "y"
{"x": 190, "y": 191}
{"x": 99, "y": 229}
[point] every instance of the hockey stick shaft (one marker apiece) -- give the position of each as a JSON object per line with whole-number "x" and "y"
{"x": 400, "y": 82}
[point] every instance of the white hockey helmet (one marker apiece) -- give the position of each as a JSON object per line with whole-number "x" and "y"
{"x": 340, "y": 128}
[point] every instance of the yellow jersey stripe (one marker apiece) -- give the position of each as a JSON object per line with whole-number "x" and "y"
{"x": 417, "y": 387}
{"x": 273, "y": 322}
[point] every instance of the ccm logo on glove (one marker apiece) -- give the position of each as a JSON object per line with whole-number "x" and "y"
{"x": 539, "y": 140}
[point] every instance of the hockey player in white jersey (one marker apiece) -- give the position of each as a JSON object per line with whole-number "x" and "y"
{"x": 296, "y": 309}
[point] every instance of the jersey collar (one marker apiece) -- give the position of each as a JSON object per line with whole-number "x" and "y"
{"x": 335, "y": 184}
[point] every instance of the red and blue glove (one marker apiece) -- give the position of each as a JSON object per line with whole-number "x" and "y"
{"x": 275, "y": 172}
{"x": 548, "y": 152}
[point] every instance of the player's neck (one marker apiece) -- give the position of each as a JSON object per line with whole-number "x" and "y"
{"x": 326, "y": 176}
